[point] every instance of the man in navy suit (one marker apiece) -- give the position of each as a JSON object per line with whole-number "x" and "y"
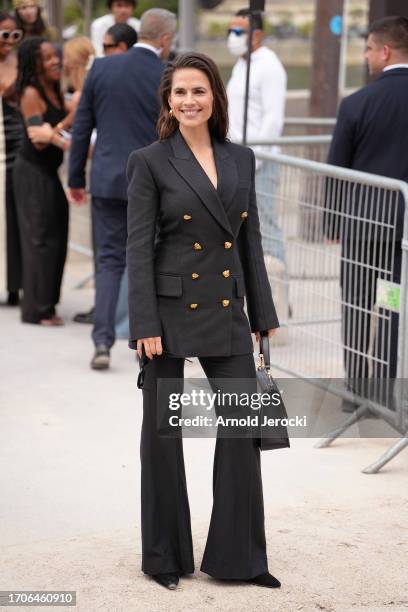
{"x": 120, "y": 99}
{"x": 371, "y": 136}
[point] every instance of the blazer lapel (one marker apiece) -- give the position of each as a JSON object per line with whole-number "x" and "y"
{"x": 190, "y": 170}
{"x": 227, "y": 173}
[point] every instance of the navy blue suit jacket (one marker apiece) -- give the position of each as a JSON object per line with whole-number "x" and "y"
{"x": 120, "y": 99}
{"x": 371, "y": 132}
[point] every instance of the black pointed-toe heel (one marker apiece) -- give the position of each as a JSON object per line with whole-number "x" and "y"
{"x": 266, "y": 580}
{"x": 170, "y": 581}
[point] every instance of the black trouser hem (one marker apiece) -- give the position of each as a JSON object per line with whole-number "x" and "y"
{"x": 224, "y": 574}
{"x": 167, "y": 565}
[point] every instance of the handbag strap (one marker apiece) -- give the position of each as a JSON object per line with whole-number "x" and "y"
{"x": 264, "y": 349}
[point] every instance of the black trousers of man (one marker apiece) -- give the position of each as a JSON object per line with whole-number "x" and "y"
{"x": 366, "y": 337}
{"x": 109, "y": 226}
{"x": 236, "y": 545}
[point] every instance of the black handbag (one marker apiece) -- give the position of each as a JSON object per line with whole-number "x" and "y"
{"x": 276, "y": 436}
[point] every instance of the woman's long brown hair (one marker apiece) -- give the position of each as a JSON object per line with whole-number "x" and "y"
{"x": 218, "y": 122}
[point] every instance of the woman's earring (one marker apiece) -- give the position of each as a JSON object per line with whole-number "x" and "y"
{"x": 171, "y": 112}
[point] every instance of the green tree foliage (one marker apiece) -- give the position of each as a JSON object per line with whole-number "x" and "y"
{"x": 305, "y": 29}
{"x": 100, "y": 7}
{"x": 217, "y": 29}
{"x": 144, "y": 5}
{"x": 72, "y": 13}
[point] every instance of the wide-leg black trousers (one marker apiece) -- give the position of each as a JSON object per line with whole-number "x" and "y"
{"x": 236, "y": 545}
{"x": 43, "y": 214}
{"x": 14, "y": 256}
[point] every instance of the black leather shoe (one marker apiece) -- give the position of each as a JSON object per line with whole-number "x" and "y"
{"x": 101, "y": 358}
{"x": 265, "y": 580}
{"x": 85, "y": 317}
{"x": 170, "y": 581}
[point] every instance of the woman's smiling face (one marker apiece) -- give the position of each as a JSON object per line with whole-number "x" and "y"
{"x": 6, "y": 44}
{"x": 51, "y": 64}
{"x": 191, "y": 97}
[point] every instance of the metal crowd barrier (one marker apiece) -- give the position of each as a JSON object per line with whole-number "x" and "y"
{"x": 315, "y": 148}
{"x": 335, "y": 246}
{"x": 298, "y": 126}
{"x": 318, "y": 122}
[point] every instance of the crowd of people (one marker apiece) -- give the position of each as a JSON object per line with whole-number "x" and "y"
{"x": 68, "y": 99}
{"x": 40, "y": 88}
{"x": 24, "y": 24}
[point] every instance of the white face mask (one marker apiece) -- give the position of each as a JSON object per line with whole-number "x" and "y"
{"x": 237, "y": 44}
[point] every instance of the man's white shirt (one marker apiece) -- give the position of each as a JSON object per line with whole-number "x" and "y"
{"x": 100, "y": 26}
{"x": 394, "y": 66}
{"x": 267, "y": 95}
{"x": 149, "y": 47}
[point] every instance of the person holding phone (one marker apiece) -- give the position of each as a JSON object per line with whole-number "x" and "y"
{"x": 41, "y": 202}
{"x": 194, "y": 251}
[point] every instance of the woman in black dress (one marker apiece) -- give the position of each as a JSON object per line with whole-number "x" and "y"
{"x": 194, "y": 252}
{"x": 41, "y": 201}
{"x": 13, "y": 131}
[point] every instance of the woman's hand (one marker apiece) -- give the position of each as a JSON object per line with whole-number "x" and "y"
{"x": 271, "y": 332}
{"x": 152, "y": 346}
{"x": 41, "y": 134}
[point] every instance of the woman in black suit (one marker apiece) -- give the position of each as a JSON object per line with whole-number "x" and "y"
{"x": 194, "y": 252}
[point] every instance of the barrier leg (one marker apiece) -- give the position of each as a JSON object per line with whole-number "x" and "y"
{"x": 387, "y": 456}
{"x": 336, "y": 433}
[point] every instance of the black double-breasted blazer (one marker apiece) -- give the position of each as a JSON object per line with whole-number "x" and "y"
{"x": 194, "y": 252}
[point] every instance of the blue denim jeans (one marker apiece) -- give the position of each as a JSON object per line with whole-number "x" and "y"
{"x": 267, "y": 191}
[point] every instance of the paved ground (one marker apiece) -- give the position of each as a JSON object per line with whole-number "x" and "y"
{"x": 69, "y": 493}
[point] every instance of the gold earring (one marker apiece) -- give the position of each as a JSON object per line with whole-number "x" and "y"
{"x": 171, "y": 112}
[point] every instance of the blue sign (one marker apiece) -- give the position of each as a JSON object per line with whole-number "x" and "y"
{"x": 336, "y": 25}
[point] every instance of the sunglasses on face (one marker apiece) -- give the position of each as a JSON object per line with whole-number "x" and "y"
{"x": 237, "y": 31}
{"x": 12, "y": 37}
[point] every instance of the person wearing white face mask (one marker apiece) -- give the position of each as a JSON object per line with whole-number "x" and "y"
{"x": 268, "y": 81}
{"x": 266, "y": 112}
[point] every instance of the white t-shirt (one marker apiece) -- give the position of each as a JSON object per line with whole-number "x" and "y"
{"x": 267, "y": 93}
{"x": 100, "y": 26}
